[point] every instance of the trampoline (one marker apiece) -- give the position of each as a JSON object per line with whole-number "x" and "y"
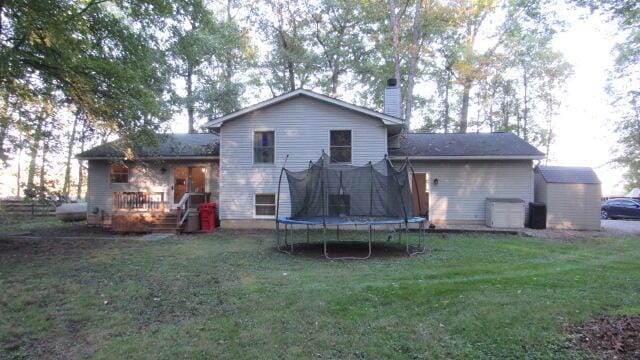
{"x": 328, "y": 194}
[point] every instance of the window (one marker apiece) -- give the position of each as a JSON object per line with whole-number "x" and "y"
{"x": 340, "y": 146}
{"x": 339, "y": 205}
{"x": 119, "y": 173}
{"x": 265, "y": 205}
{"x": 263, "y": 147}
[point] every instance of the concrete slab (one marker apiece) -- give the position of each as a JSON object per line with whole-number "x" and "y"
{"x": 155, "y": 236}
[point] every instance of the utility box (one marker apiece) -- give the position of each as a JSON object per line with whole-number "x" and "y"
{"x": 505, "y": 213}
{"x": 193, "y": 222}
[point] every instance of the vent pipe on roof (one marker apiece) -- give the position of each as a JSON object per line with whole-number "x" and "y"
{"x": 392, "y": 98}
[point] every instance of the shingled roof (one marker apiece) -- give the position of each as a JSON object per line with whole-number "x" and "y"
{"x": 567, "y": 175}
{"x": 452, "y": 145}
{"x": 169, "y": 146}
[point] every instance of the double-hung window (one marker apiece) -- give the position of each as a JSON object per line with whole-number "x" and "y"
{"x": 264, "y": 145}
{"x": 119, "y": 173}
{"x": 340, "y": 146}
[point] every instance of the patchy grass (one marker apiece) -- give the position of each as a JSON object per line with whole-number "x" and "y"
{"x": 231, "y": 295}
{"x": 21, "y": 223}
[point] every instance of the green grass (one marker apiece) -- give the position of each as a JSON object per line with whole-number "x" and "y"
{"x": 19, "y": 224}
{"x": 231, "y": 295}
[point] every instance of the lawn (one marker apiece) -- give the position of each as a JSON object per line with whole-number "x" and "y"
{"x": 231, "y": 295}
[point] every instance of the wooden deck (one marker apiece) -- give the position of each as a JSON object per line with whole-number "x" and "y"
{"x": 148, "y": 212}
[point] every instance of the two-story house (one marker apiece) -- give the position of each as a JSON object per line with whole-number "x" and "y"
{"x": 238, "y": 164}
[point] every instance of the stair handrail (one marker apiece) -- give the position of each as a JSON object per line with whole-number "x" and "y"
{"x": 184, "y": 217}
{"x": 180, "y": 218}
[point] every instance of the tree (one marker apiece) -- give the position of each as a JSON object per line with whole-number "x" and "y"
{"x": 205, "y": 53}
{"x": 102, "y": 57}
{"x": 286, "y": 27}
{"x": 336, "y": 30}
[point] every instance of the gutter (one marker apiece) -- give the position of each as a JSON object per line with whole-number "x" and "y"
{"x": 479, "y": 157}
{"x": 151, "y": 158}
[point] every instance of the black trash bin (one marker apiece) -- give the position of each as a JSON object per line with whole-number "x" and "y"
{"x": 537, "y": 215}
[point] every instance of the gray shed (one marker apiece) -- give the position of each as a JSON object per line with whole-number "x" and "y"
{"x": 572, "y": 196}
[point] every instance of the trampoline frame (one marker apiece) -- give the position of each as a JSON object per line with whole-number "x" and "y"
{"x": 287, "y": 246}
{"x": 411, "y": 249}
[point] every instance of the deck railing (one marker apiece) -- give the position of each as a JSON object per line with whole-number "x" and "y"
{"x": 138, "y": 201}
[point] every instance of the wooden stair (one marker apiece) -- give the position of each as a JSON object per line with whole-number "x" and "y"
{"x": 166, "y": 223}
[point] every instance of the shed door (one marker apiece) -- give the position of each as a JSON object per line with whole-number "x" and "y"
{"x": 420, "y": 193}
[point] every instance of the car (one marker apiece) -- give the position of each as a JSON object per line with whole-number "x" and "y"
{"x": 620, "y": 209}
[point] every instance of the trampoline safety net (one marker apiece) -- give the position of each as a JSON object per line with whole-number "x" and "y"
{"x": 327, "y": 190}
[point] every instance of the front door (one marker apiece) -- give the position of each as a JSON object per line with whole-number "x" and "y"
{"x": 191, "y": 179}
{"x": 420, "y": 194}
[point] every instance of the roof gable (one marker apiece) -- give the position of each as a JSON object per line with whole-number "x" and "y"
{"x": 567, "y": 175}
{"x": 386, "y": 119}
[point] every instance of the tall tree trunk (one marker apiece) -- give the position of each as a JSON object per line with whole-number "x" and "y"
{"x": 19, "y": 174}
{"x": 335, "y": 76}
{"x": 490, "y": 112}
{"x": 292, "y": 75}
{"x": 66, "y": 187}
{"x": 446, "y": 101}
{"x": 518, "y": 119}
{"x": 525, "y": 113}
{"x": 190, "y": 102}
{"x": 34, "y": 147}
{"x": 505, "y": 116}
{"x": 464, "y": 111}
{"x": 83, "y": 134}
{"x": 414, "y": 53}
{"x": 42, "y": 187}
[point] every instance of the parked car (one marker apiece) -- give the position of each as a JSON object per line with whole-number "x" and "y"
{"x": 620, "y": 209}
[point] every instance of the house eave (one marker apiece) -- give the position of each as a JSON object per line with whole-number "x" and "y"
{"x": 478, "y": 157}
{"x": 149, "y": 158}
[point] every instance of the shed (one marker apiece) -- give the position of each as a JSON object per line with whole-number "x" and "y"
{"x": 572, "y": 196}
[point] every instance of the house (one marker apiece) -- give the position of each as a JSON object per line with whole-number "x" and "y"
{"x": 242, "y": 159}
{"x": 572, "y": 196}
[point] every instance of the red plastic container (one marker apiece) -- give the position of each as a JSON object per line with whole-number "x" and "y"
{"x": 207, "y": 216}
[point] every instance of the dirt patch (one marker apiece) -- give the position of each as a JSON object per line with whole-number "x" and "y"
{"x": 350, "y": 248}
{"x": 25, "y": 250}
{"x": 610, "y": 337}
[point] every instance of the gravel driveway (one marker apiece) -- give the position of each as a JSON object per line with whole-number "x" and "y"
{"x": 621, "y": 227}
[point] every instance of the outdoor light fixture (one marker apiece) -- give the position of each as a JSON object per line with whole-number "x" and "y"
{"x": 435, "y": 181}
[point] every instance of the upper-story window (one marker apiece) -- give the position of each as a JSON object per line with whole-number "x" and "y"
{"x": 264, "y": 145}
{"x": 119, "y": 173}
{"x": 340, "y": 147}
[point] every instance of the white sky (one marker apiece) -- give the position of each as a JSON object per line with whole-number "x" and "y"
{"x": 585, "y": 122}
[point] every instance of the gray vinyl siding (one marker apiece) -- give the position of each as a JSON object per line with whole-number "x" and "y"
{"x": 98, "y": 190}
{"x": 147, "y": 177}
{"x": 301, "y": 128}
{"x": 570, "y": 206}
{"x": 464, "y": 186}
{"x": 539, "y": 189}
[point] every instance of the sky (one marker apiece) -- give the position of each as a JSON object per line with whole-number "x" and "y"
{"x": 584, "y": 123}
